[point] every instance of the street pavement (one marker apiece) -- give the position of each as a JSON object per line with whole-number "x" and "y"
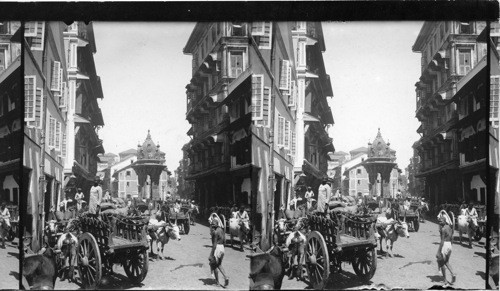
{"x": 414, "y": 265}
{"x": 9, "y": 265}
{"x": 185, "y": 266}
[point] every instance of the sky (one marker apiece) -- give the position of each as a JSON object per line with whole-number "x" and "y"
{"x": 144, "y": 73}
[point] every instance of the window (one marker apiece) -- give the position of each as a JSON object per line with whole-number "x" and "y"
{"x": 285, "y": 75}
{"x": 464, "y": 61}
{"x": 300, "y": 25}
{"x": 56, "y": 76}
{"x": 128, "y": 184}
{"x": 63, "y": 97}
{"x": 494, "y": 97}
{"x": 4, "y": 27}
{"x": 4, "y": 54}
{"x": 73, "y": 55}
{"x": 293, "y": 142}
{"x": 258, "y": 28}
{"x": 52, "y": 133}
{"x": 57, "y": 132}
{"x": 214, "y": 35}
{"x": 287, "y": 134}
{"x": 293, "y": 96}
{"x": 235, "y": 63}
{"x": 301, "y": 53}
{"x": 441, "y": 29}
{"x": 238, "y": 29}
{"x": 281, "y": 127}
{"x": 262, "y": 32}
{"x": 358, "y": 171}
{"x": 359, "y": 181}
{"x": 465, "y": 27}
{"x": 29, "y": 97}
{"x": 257, "y": 97}
{"x": 30, "y": 28}
{"x": 128, "y": 173}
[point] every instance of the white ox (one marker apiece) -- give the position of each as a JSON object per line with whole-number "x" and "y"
{"x": 390, "y": 229}
{"x": 467, "y": 224}
{"x": 239, "y": 228}
{"x": 161, "y": 232}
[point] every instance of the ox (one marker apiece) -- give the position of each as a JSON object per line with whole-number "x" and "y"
{"x": 161, "y": 232}
{"x": 390, "y": 230}
{"x": 467, "y": 224}
{"x": 266, "y": 270}
{"x": 239, "y": 228}
{"x": 295, "y": 242}
{"x": 40, "y": 271}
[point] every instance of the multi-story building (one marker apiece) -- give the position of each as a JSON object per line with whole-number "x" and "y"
{"x": 60, "y": 94}
{"x": 449, "y": 52}
{"x": 11, "y": 114}
{"x": 84, "y": 117}
{"x": 251, "y": 83}
{"x": 185, "y": 188}
{"x": 45, "y": 72}
{"x": 415, "y": 185}
{"x": 313, "y": 116}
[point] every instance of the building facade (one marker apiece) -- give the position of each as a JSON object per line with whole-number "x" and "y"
{"x": 84, "y": 117}
{"x": 449, "y": 52}
{"x": 11, "y": 113}
{"x": 45, "y": 71}
{"x": 59, "y": 96}
{"x": 251, "y": 83}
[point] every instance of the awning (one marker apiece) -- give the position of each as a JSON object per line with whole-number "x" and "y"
{"x": 309, "y": 117}
{"x": 79, "y": 119}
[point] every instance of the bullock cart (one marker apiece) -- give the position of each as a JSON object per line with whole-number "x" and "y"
{"x": 412, "y": 217}
{"x": 340, "y": 238}
{"x": 182, "y": 219}
{"x": 108, "y": 239}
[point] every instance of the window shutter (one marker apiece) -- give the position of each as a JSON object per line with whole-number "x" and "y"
{"x": 266, "y": 104}
{"x": 258, "y": 28}
{"x": 38, "y": 108}
{"x": 29, "y": 97}
{"x": 257, "y": 97}
{"x": 293, "y": 143}
{"x": 64, "y": 96}
{"x": 289, "y": 78}
{"x": 55, "y": 81}
{"x": 285, "y": 65}
{"x": 61, "y": 89}
{"x": 51, "y": 134}
{"x": 37, "y": 41}
{"x": 265, "y": 39}
{"x": 30, "y": 28}
{"x": 74, "y": 54}
{"x": 58, "y": 136}
{"x": 281, "y": 126}
{"x": 63, "y": 146}
{"x": 293, "y": 94}
{"x": 287, "y": 134}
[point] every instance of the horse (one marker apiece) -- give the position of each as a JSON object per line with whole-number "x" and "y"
{"x": 467, "y": 225}
{"x": 390, "y": 230}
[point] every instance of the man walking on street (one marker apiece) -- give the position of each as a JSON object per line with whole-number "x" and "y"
{"x": 79, "y": 199}
{"x": 444, "y": 251}
{"x": 324, "y": 194}
{"x": 217, "y": 253}
{"x": 309, "y": 196}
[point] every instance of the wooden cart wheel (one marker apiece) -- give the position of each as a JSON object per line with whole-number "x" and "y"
{"x": 89, "y": 261}
{"x": 365, "y": 264}
{"x": 416, "y": 224}
{"x": 136, "y": 266}
{"x": 317, "y": 260}
{"x": 186, "y": 225}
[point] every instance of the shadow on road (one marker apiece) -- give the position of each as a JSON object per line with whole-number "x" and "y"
{"x": 208, "y": 281}
{"x": 344, "y": 280}
{"x": 428, "y": 262}
{"x": 435, "y": 278}
{"x": 483, "y": 255}
{"x": 15, "y": 275}
{"x": 481, "y": 274}
{"x": 14, "y": 255}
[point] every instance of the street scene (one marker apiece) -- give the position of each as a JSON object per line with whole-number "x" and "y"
{"x": 251, "y": 155}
